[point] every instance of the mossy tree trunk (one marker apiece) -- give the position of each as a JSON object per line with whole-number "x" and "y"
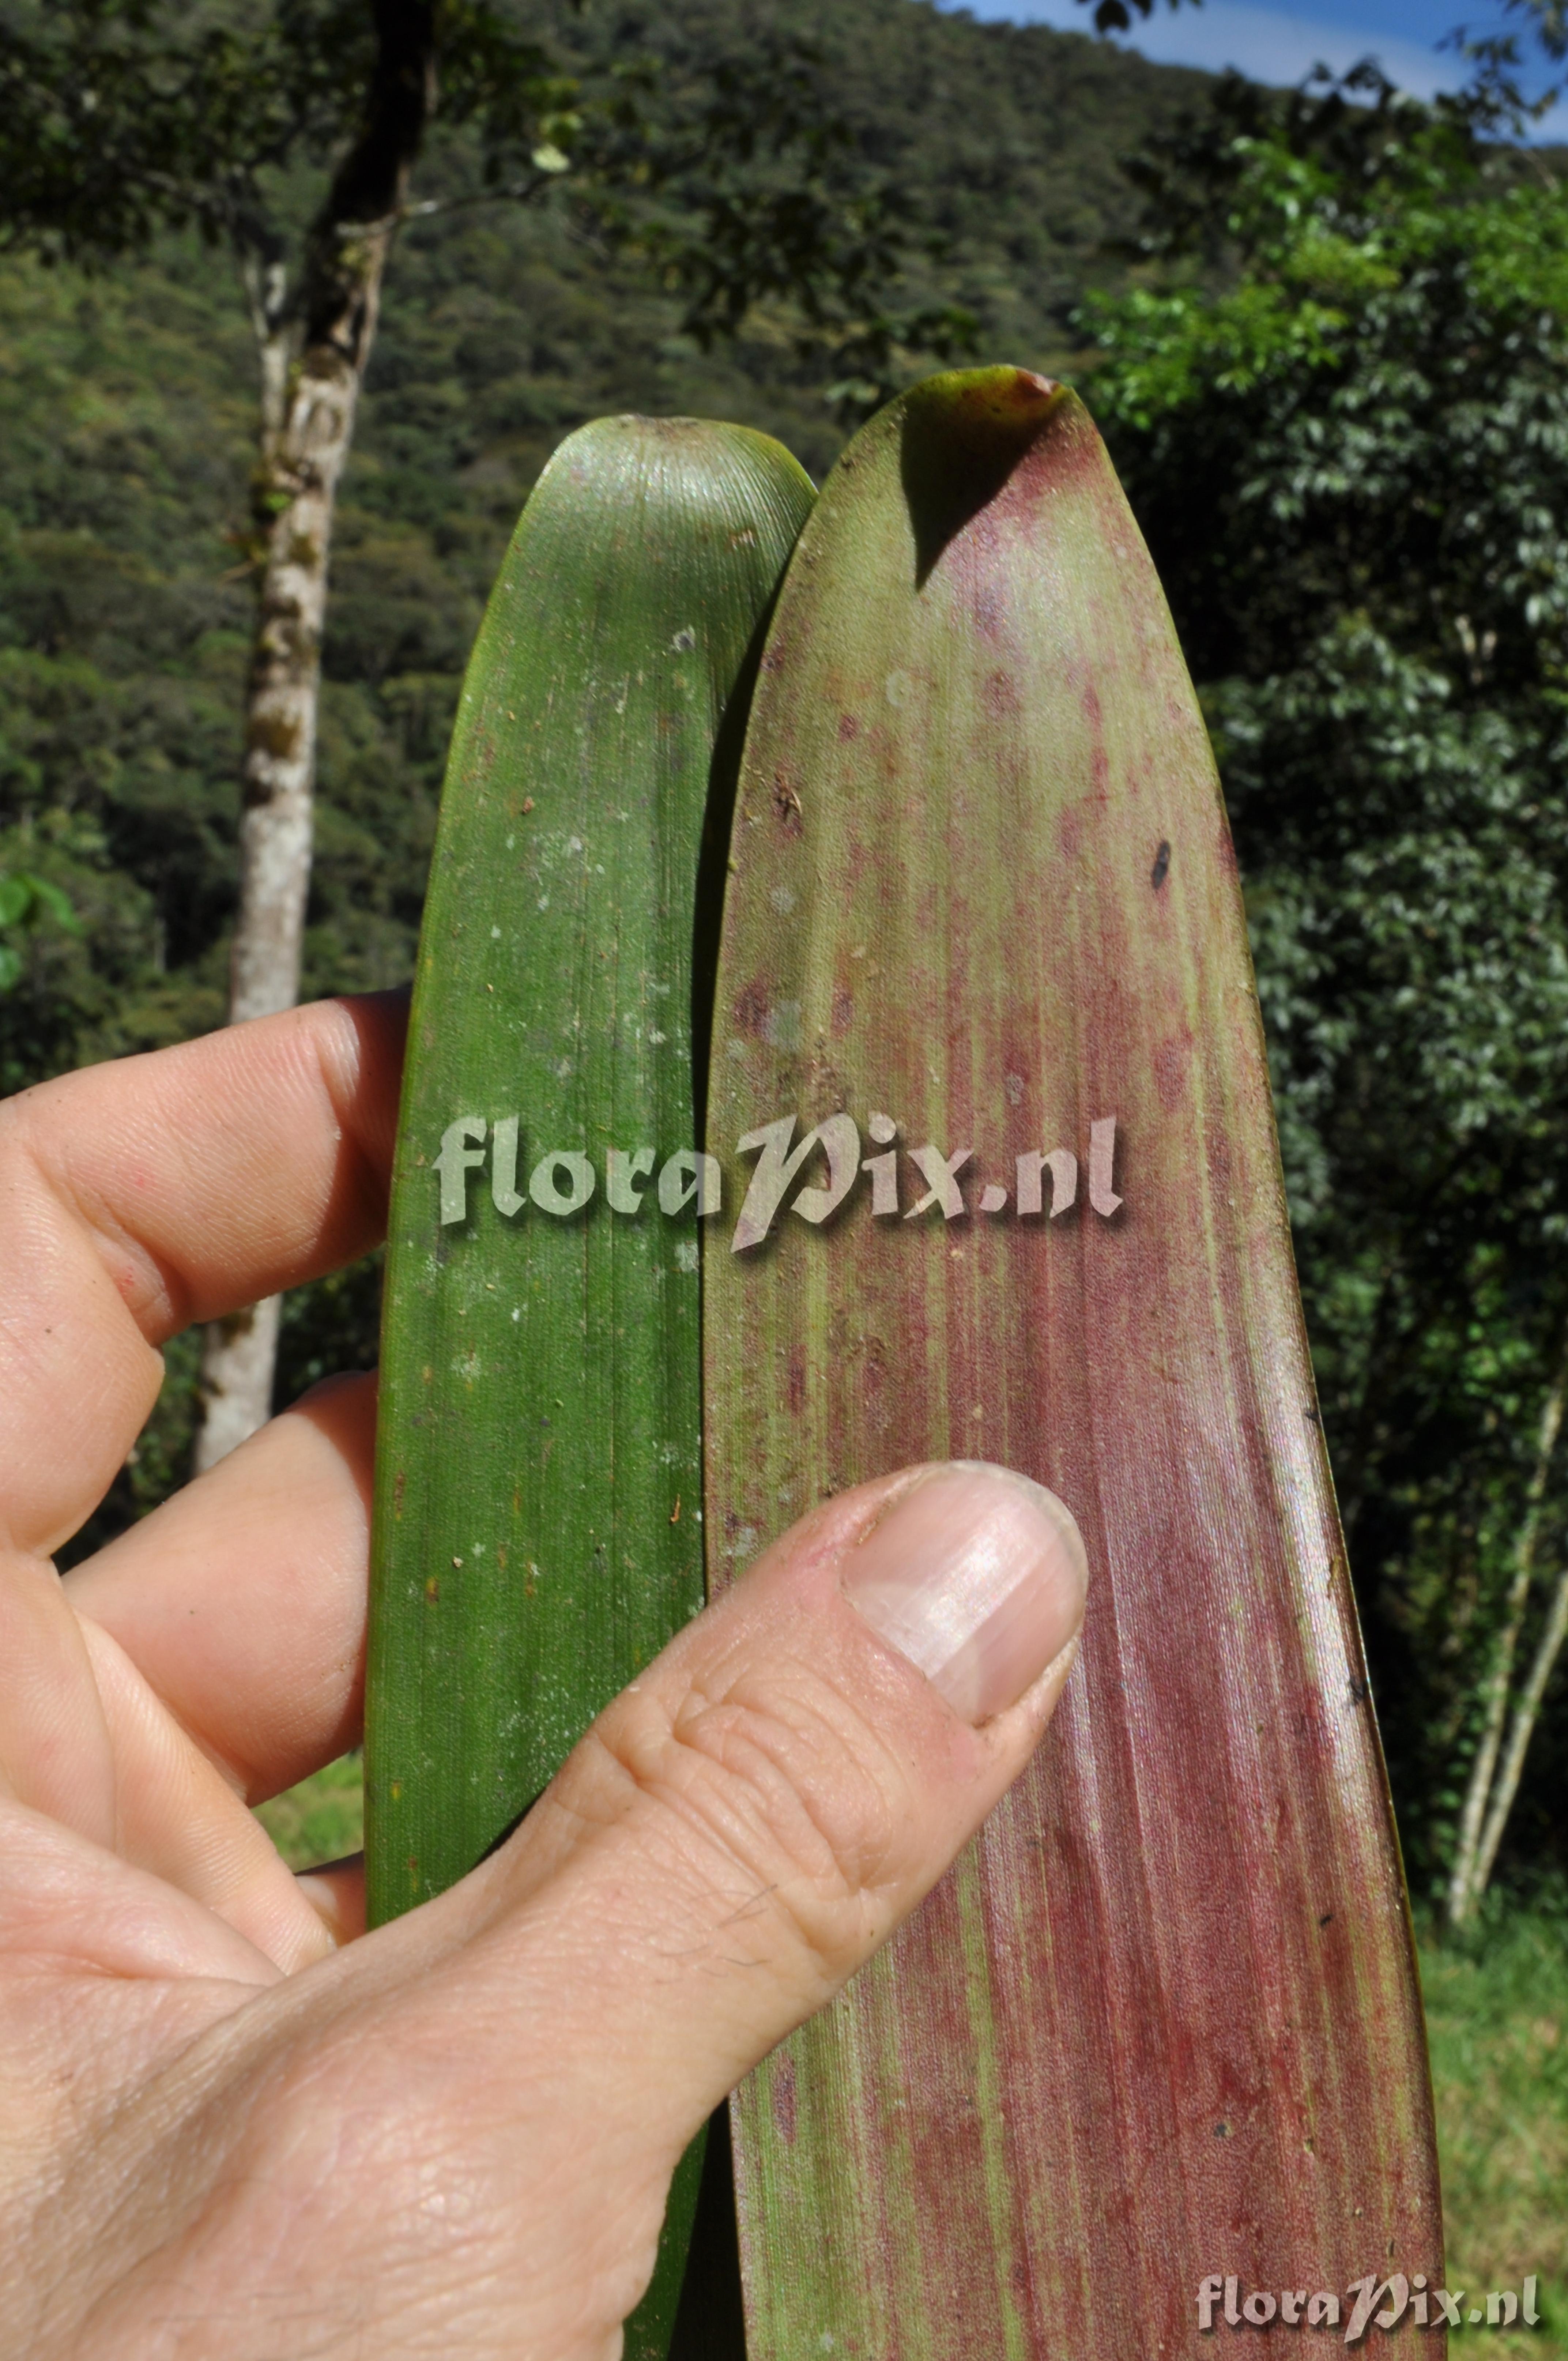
{"x": 313, "y": 343}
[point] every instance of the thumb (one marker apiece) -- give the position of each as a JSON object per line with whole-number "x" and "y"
{"x": 754, "y": 1815}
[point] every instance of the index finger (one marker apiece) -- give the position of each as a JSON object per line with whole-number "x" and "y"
{"x": 139, "y": 1196}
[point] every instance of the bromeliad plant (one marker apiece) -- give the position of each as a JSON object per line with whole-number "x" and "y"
{"x": 988, "y": 1172}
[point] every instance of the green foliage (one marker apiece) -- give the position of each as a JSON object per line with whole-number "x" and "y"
{"x": 123, "y": 636}
{"x": 877, "y": 182}
{"x": 711, "y": 145}
{"x": 26, "y": 900}
{"x": 1353, "y": 467}
{"x": 761, "y": 195}
{"x": 123, "y": 118}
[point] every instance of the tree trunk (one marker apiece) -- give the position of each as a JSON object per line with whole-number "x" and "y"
{"x": 301, "y": 458}
{"x": 313, "y": 352}
{"x": 1525, "y": 1713}
{"x": 1468, "y": 1880}
{"x": 238, "y": 1357}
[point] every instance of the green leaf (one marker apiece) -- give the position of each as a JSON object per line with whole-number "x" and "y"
{"x": 15, "y": 900}
{"x": 10, "y": 967}
{"x": 50, "y": 897}
{"x": 1161, "y": 2021}
{"x": 538, "y": 1533}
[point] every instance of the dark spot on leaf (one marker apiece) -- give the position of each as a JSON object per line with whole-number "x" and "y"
{"x": 1222, "y": 2131}
{"x": 1001, "y": 693}
{"x": 786, "y": 803}
{"x": 1161, "y": 869}
{"x": 1325, "y": 1919}
{"x": 1358, "y": 1690}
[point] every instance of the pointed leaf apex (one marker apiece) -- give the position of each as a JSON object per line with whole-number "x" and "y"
{"x": 1011, "y": 398}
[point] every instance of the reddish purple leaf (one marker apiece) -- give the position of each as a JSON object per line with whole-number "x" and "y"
{"x": 1162, "y": 2020}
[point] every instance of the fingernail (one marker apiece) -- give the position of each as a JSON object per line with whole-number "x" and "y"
{"x": 978, "y": 1575}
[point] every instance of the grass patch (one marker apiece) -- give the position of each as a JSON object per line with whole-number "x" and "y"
{"x": 1498, "y": 2023}
{"x": 321, "y": 1819}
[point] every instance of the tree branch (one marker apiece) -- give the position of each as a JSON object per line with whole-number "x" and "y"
{"x": 1525, "y": 1715}
{"x": 1468, "y": 1881}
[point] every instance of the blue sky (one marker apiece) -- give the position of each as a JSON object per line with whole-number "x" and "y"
{"x": 1281, "y": 40}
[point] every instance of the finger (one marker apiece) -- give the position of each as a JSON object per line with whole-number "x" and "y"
{"x": 241, "y": 1600}
{"x": 56, "y": 1754}
{"x": 78, "y": 1907}
{"x": 139, "y": 1196}
{"x": 336, "y": 1891}
{"x": 177, "y": 1817}
{"x": 85, "y": 1741}
{"x": 757, "y": 1813}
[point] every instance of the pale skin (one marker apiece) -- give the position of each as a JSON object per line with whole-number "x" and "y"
{"x": 232, "y": 2124}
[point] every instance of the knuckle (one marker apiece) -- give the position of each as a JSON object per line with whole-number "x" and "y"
{"x": 778, "y": 1791}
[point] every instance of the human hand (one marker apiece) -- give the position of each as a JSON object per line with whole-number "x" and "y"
{"x": 228, "y": 2129}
